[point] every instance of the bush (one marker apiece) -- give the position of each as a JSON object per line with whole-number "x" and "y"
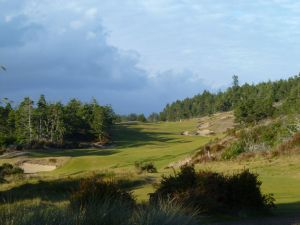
{"x": 95, "y": 191}
{"x": 7, "y": 169}
{"x": 234, "y": 150}
{"x": 149, "y": 167}
{"x": 102, "y": 202}
{"x": 212, "y": 193}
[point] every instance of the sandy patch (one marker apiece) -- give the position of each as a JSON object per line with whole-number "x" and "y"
{"x": 36, "y": 168}
{"x": 205, "y": 132}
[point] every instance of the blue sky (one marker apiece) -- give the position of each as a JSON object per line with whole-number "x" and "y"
{"x": 138, "y": 55}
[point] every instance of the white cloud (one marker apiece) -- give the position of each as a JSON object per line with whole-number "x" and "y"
{"x": 76, "y": 24}
{"x": 91, "y": 13}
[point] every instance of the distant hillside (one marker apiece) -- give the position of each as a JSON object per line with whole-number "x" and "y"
{"x": 250, "y": 103}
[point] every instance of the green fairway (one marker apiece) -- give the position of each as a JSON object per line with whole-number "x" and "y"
{"x": 160, "y": 143}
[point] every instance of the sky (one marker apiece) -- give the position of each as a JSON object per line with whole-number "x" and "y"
{"x": 139, "y": 55}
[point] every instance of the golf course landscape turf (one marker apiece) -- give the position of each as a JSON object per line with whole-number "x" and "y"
{"x": 162, "y": 144}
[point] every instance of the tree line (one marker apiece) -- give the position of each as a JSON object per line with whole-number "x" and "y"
{"x": 250, "y": 102}
{"x": 54, "y": 122}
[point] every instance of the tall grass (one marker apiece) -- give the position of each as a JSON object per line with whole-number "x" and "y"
{"x": 107, "y": 213}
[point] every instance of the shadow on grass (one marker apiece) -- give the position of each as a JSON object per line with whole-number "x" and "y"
{"x": 58, "y": 190}
{"x": 72, "y": 152}
{"x": 287, "y": 208}
{"x": 128, "y": 135}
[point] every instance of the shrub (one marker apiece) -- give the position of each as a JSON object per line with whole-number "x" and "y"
{"x": 234, "y": 150}
{"x": 212, "y": 192}
{"x": 102, "y": 202}
{"x": 149, "y": 167}
{"x": 95, "y": 191}
{"x": 170, "y": 185}
{"x": 7, "y": 169}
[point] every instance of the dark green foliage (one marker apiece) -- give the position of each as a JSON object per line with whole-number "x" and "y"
{"x": 153, "y": 117}
{"x": 145, "y": 166}
{"x": 214, "y": 192}
{"x": 251, "y": 103}
{"x": 141, "y": 118}
{"x": 132, "y": 117}
{"x": 31, "y": 125}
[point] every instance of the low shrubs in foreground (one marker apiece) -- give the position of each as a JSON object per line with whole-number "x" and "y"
{"x": 96, "y": 202}
{"x": 178, "y": 200}
{"x": 213, "y": 193}
{"x": 37, "y": 213}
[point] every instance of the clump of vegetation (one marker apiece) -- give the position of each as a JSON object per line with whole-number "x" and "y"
{"x": 234, "y": 150}
{"x": 131, "y": 118}
{"x": 141, "y": 167}
{"x": 165, "y": 212}
{"x": 94, "y": 202}
{"x": 7, "y": 170}
{"x": 262, "y": 138}
{"x": 292, "y": 145}
{"x": 94, "y": 191}
{"x": 212, "y": 193}
{"x": 102, "y": 202}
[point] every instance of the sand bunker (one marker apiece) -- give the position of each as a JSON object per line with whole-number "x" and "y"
{"x": 35, "y": 168}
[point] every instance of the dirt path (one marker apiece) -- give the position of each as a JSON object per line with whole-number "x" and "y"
{"x": 12, "y": 154}
{"x": 291, "y": 220}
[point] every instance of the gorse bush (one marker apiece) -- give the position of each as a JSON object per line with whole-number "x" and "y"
{"x": 141, "y": 167}
{"x": 102, "y": 202}
{"x": 211, "y": 192}
{"x": 95, "y": 191}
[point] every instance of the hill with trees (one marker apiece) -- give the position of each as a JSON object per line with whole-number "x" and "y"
{"x": 250, "y": 102}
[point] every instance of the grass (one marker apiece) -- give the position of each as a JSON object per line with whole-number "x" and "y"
{"x": 159, "y": 143}
{"x": 162, "y": 144}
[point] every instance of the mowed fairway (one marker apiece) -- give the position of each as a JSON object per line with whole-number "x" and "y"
{"x": 160, "y": 143}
